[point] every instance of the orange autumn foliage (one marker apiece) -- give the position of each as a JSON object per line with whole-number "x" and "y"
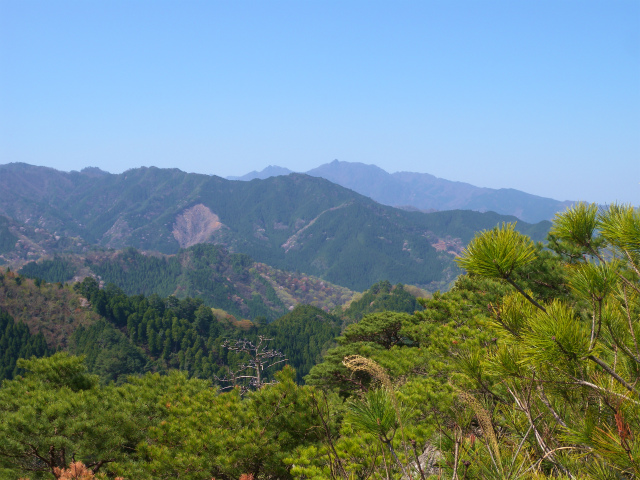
{"x": 76, "y": 471}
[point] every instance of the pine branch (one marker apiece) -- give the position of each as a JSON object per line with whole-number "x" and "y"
{"x": 525, "y": 294}
{"x": 617, "y": 377}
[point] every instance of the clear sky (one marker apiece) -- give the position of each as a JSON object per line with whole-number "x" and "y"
{"x": 542, "y": 96}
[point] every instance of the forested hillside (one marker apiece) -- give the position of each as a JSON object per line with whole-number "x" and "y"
{"x": 230, "y": 282}
{"x": 17, "y": 342}
{"x": 140, "y": 333}
{"x": 296, "y": 223}
{"x": 528, "y": 368}
{"x": 381, "y": 297}
{"x": 21, "y": 242}
{"x": 51, "y": 309}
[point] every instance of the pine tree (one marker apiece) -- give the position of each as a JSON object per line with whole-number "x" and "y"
{"x": 569, "y": 368}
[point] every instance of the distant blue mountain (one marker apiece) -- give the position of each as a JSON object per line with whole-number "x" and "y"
{"x": 425, "y": 192}
{"x": 270, "y": 171}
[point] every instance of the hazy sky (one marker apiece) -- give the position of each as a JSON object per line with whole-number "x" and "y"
{"x": 542, "y": 96}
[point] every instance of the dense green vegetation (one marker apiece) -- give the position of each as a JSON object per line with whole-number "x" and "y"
{"x": 157, "y": 334}
{"x": 55, "y": 270}
{"x": 17, "y": 342}
{"x": 108, "y": 352}
{"x": 138, "y": 333}
{"x": 528, "y": 368}
{"x": 381, "y": 297}
{"x": 303, "y": 335}
{"x": 140, "y": 429}
{"x": 136, "y": 273}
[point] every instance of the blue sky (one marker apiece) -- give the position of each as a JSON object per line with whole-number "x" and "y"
{"x": 542, "y": 96}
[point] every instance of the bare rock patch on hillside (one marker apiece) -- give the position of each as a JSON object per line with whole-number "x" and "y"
{"x": 195, "y": 225}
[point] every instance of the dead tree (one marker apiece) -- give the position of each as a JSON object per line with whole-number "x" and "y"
{"x": 249, "y": 375}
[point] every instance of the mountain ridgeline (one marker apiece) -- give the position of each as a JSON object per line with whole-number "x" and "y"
{"x": 295, "y": 222}
{"x": 425, "y": 192}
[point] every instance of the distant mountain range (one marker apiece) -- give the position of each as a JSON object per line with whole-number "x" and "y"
{"x": 296, "y": 222}
{"x": 424, "y": 192}
{"x": 270, "y": 171}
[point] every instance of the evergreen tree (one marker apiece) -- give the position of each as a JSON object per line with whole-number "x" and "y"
{"x": 569, "y": 368}
{"x": 57, "y": 413}
{"x": 17, "y": 342}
